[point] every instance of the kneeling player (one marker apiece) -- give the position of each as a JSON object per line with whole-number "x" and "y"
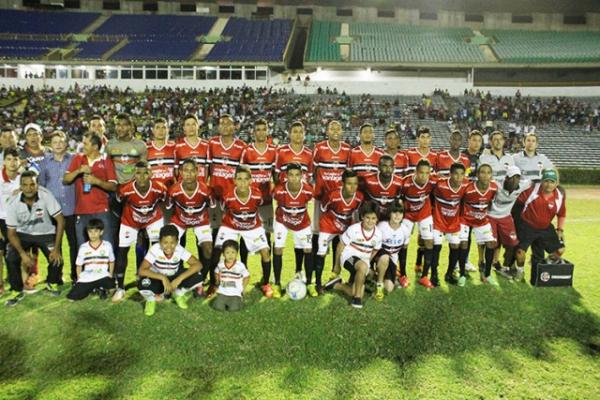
{"x": 95, "y": 263}
{"x": 162, "y": 273}
{"x": 232, "y": 278}
{"x": 358, "y": 246}
{"x": 395, "y": 235}
{"x": 292, "y": 199}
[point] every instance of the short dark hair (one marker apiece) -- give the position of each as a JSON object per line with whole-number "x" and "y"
{"x": 395, "y": 206}
{"x": 292, "y": 166}
{"x": 391, "y": 131}
{"x": 29, "y": 174}
{"x": 161, "y": 120}
{"x": 261, "y": 121}
{"x": 190, "y": 161}
{"x": 96, "y": 116}
{"x": 497, "y": 133}
{"x": 484, "y": 165}
{"x": 475, "y": 132}
{"x": 347, "y": 174}
{"x": 368, "y": 207}
{"x": 141, "y": 164}
{"x": 168, "y": 230}
{"x": 11, "y": 151}
{"x": 95, "y": 223}
{"x": 231, "y": 244}
{"x": 59, "y": 133}
{"x": 297, "y": 123}
{"x": 386, "y": 157}
{"x": 191, "y": 116}
{"x": 364, "y": 126}
{"x": 423, "y": 130}
{"x": 124, "y": 117}
{"x": 94, "y": 139}
{"x": 242, "y": 169}
{"x": 423, "y": 162}
{"x": 456, "y": 166}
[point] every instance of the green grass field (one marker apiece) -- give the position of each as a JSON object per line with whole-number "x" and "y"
{"x": 459, "y": 343}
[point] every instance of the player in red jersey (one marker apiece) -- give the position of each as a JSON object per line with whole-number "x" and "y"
{"x": 416, "y": 189}
{"x": 330, "y": 159}
{"x": 447, "y": 197}
{"x": 364, "y": 159}
{"x": 292, "y": 198}
{"x": 189, "y": 198}
{"x": 476, "y": 201}
{"x": 452, "y": 156}
{"x": 260, "y": 158}
{"x": 140, "y": 198}
{"x": 192, "y": 146}
{"x": 240, "y": 206}
{"x": 294, "y": 152}
{"x": 337, "y": 212}
{"x": 383, "y": 187}
{"x": 161, "y": 153}
{"x": 392, "y": 148}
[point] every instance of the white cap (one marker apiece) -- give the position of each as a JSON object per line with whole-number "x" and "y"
{"x": 512, "y": 171}
{"x": 33, "y": 126}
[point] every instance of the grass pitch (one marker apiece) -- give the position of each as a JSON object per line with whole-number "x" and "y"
{"x": 459, "y": 343}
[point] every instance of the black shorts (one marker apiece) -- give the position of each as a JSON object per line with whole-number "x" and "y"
{"x": 4, "y": 231}
{"x": 547, "y": 238}
{"x": 349, "y": 265}
{"x": 390, "y": 273}
{"x": 81, "y": 290}
{"x": 156, "y": 285}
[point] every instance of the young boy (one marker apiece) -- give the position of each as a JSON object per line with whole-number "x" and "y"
{"x": 162, "y": 273}
{"x": 94, "y": 264}
{"x": 232, "y": 279}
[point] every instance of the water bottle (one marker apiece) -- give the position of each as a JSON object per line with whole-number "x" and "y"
{"x": 87, "y": 187}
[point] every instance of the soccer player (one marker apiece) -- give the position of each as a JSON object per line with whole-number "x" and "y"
{"x": 395, "y": 235}
{"x": 140, "y": 198}
{"x": 530, "y": 162}
{"x": 94, "y": 264}
{"x": 125, "y": 150}
{"x": 240, "y": 218}
{"x": 392, "y": 148}
{"x": 161, "y": 153}
{"x": 337, "y": 211}
{"x": 476, "y": 201}
{"x": 294, "y": 152}
{"x": 422, "y": 151}
{"x": 292, "y": 199}
{"x": 162, "y": 271}
{"x": 190, "y": 199}
{"x": 358, "y": 246}
{"x": 191, "y": 146}
{"x": 416, "y": 190}
{"x": 540, "y": 204}
{"x": 364, "y": 159}
{"x": 452, "y": 156}
{"x": 497, "y": 158}
{"x": 383, "y": 187}
{"x": 473, "y": 152}
{"x": 447, "y": 196}
{"x": 9, "y": 184}
{"x": 232, "y": 279}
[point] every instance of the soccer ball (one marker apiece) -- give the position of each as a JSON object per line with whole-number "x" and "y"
{"x": 296, "y": 289}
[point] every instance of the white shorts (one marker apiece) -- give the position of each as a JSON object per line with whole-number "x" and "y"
{"x": 128, "y": 235}
{"x": 483, "y": 234}
{"x": 203, "y": 233}
{"x": 265, "y": 212}
{"x": 255, "y": 239}
{"x": 324, "y": 240}
{"x": 425, "y": 227}
{"x": 302, "y": 237}
{"x": 316, "y": 216}
{"x": 451, "y": 238}
{"x": 215, "y": 214}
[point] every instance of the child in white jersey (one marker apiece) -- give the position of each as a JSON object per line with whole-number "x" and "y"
{"x": 161, "y": 272}
{"x": 232, "y": 279}
{"x": 95, "y": 264}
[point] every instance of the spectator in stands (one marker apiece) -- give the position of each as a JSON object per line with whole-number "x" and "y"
{"x": 33, "y": 152}
{"x": 8, "y": 139}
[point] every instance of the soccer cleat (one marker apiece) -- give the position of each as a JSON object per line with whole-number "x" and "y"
{"x": 505, "y": 273}
{"x": 276, "y": 291}
{"x": 53, "y": 289}
{"x": 404, "y": 282}
{"x": 356, "y": 302}
{"x": 181, "y": 301}
{"x": 497, "y": 266}
{"x": 211, "y": 291}
{"x": 150, "y": 308}
{"x": 462, "y": 281}
{"x": 102, "y": 294}
{"x": 490, "y": 280}
{"x": 312, "y": 290}
{"x": 424, "y": 281}
{"x": 418, "y": 268}
{"x": 520, "y": 274}
{"x": 331, "y": 282}
{"x": 435, "y": 281}
{"x": 450, "y": 279}
{"x": 470, "y": 267}
{"x": 14, "y": 299}
{"x": 118, "y": 296}
{"x": 379, "y": 293}
{"x": 267, "y": 290}
{"x": 199, "y": 291}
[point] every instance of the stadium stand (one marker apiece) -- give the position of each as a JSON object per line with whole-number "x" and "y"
{"x": 28, "y": 49}
{"x": 158, "y": 27}
{"x": 93, "y": 50}
{"x": 252, "y": 41}
{"x": 321, "y": 42}
{"x": 156, "y": 50}
{"x": 43, "y": 22}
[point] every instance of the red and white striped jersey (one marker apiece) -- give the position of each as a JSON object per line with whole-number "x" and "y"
{"x": 261, "y": 166}
{"x": 445, "y": 161}
{"x": 336, "y": 212}
{"x": 286, "y": 155}
{"x": 223, "y": 163}
{"x": 400, "y": 163}
{"x": 329, "y": 166}
{"x": 361, "y": 243}
{"x": 199, "y": 153}
{"x": 190, "y": 211}
{"x": 417, "y": 204}
{"x": 241, "y": 215}
{"x": 446, "y": 205}
{"x": 382, "y": 194}
{"x": 414, "y": 156}
{"x": 292, "y": 210}
{"x": 161, "y": 161}
{"x": 362, "y": 163}
{"x": 475, "y": 204}
{"x": 140, "y": 210}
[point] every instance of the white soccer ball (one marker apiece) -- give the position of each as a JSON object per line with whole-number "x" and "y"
{"x": 296, "y": 289}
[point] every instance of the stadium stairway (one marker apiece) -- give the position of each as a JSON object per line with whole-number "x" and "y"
{"x": 216, "y": 30}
